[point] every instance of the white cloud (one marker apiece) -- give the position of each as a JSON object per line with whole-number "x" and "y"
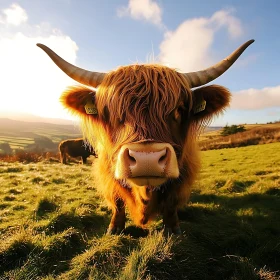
{"x": 188, "y": 48}
{"x": 254, "y": 99}
{"x": 223, "y": 18}
{"x": 147, "y": 10}
{"x": 14, "y": 15}
{"x": 30, "y": 81}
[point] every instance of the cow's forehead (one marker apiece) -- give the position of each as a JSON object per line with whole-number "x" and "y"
{"x": 146, "y": 83}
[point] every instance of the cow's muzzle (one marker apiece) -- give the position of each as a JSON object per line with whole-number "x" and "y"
{"x": 146, "y": 163}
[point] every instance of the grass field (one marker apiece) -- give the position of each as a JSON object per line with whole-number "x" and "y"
{"x": 53, "y": 224}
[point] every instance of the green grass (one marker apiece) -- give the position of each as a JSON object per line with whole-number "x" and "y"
{"x": 53, "y": 224}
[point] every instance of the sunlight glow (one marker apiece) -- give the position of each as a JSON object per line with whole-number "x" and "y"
{"x": 30, "y": 81}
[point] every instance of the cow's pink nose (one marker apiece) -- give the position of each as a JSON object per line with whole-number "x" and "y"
{"x": 147, "y": 163}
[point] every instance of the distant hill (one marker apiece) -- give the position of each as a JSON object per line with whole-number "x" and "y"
{"x": 212, "y": 128}
{"x": 253, "y": 135}
{"x": 30, "y": 129}
{"x": 32, "y": 118}
{"x": 24, "y": 135}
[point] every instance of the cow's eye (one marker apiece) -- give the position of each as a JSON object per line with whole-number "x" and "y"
{"x": 177, "y": 113}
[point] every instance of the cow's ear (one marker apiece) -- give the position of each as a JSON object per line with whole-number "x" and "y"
{"x": 209, "y": 101}
{"x": 79, "y": 100}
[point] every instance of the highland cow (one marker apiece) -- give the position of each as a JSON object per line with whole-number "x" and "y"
{"x": 143, "y": 120}
{"x": 75, "y": 148}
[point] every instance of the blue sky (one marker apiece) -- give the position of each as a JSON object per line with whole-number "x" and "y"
{"x": 102, "y": 35}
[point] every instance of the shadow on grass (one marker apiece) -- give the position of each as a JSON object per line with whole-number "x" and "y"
{"x": 29, "y": 257}
{"x": 67, "y": 235}
{"x": 45, "y": 206}
{"x": 228, "y": 237}
{"x": 15, "y": 255}
{"x": 135, "y": 232}
{"x": 63, "y": 221}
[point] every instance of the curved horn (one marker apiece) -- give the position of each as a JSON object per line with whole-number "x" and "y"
{"x": 78, "y": 74}
{"x": 205, "y": 76}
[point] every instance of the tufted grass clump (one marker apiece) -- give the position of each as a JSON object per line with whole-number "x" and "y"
{"x": 46, "y": 205}
{"x": 15, "y": 248}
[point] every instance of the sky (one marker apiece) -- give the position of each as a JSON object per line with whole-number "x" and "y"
{"x": 101, "y": 35}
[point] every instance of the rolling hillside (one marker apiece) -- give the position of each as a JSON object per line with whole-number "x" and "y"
{"x": 21, "y": 135}
{"x": 253, "y": 135}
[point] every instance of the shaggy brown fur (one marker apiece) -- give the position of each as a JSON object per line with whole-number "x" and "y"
{"x": 75, "y": 148}
{"x": 141, "y": 102}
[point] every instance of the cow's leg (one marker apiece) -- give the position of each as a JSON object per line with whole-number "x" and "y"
{"x": 84, "y": 160}
{"x": 63, "y": 158}
{"x": 170, "y": 216}
{"x": 117, "y": 223}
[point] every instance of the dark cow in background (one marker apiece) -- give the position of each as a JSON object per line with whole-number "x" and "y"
{"x": 75, "y": 148}
{"x": 144, "y": 119}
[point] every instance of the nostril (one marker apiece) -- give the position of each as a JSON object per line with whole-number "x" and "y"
{"x": 131, "y": 159}
{"x": 163, "y": 158}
